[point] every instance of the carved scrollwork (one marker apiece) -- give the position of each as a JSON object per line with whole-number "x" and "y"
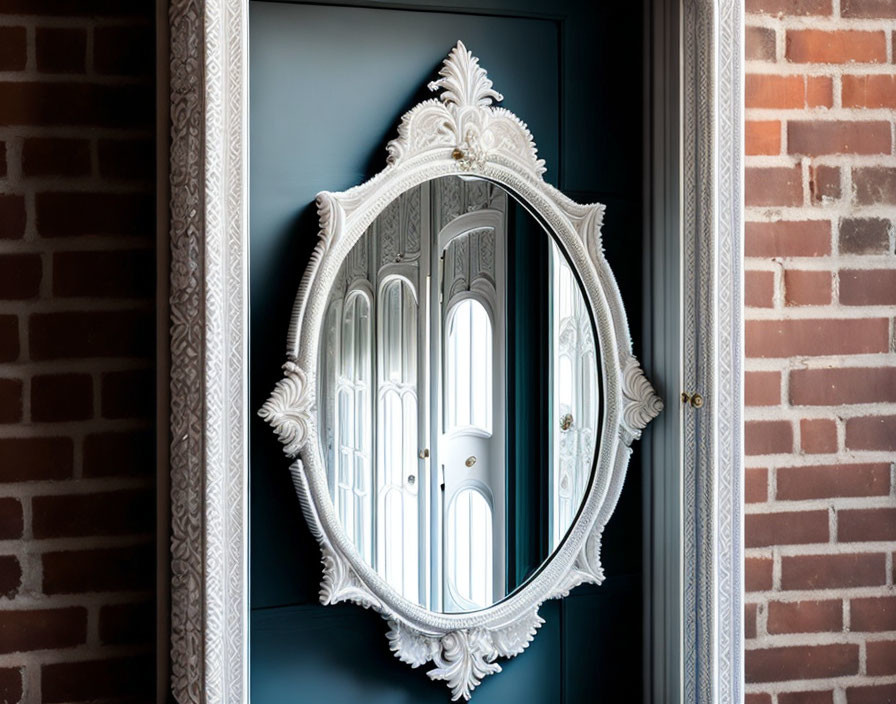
{"x": 641, "y": 404}
{"x": 288, "y": 410}
{"x": 464, "y": 121}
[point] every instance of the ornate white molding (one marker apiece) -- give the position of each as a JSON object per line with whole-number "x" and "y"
{"x": 208, "y": 277}
{"x": 460, "y": 132}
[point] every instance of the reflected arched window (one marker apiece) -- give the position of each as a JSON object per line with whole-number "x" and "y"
{"x": 398, "y": 521}
{"x": 470, "y": 549}
{"x": 469, "y": 367}
{"x": 354, "y": 471}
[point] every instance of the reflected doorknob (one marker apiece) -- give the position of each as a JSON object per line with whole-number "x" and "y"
{"x": 471, "y": 460}
{"x": 423, "y": 454}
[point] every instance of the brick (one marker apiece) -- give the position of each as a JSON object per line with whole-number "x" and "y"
{"x": 871, "y": 694}
{"x": 128, "y": 453}
{"x": 813, "y": 697}
{"x": 35, "y": 459}
{"x": 73, "y": 335}
{"x": 831, "y": 481}
{"x": 869, "y": 287}
{"x": 13, "y": 48}
{"x": 871, "y": 433}
{"x": 42, "y": 629}
{"x": 874, "y": 185}
{"x": 127, "y": 159}
{"x": 835, "y": 47}
{"x": 123, "y": 624}
{"x": 758, "y": 698}
{"x": 789, "y": 7}
{"x": 760, "y": 43}
{"x": 866, "y": 525}
{"x": 768, "y": 437}
{"x": 20, "y": 276}
{"x": 750, "y": 620}
{"x": 762, "y": 388}
{"x": 46, "y": 156}
{"x": 61, "y": 397}
{"x": 10, "y": 400}
{"x": 757, "y": 574}
{"x": 10, "y": 685}
{"x": 104, "y": 274}
{"x": 807, "y": 288}
{"x": 769, "y": 90}
{"x": 12, "y": 217}
{"x": 818, "y": 436}
{"x": 819, "y": 92}
{"x": 124, "y": 50}
{"x": 864, "y": 236}
{"x": 755, "y": 485}
{"x": 9, "y": 338}
{"x": 106, "y": 513}
{"x": 801, "y": 662}
{"x": 102, "y": 570}
{"x": 762, "y": 137}
{"x": 109, "y": 679}
{"x": 12, "y": 519}
{"x": 759, "y": 289}
{"x": 811, "y": 337}
{"x": 61, "y": 49}
{"x": 76, "y": 214}
{"x": 873, "y": 614}
{"x": 875, "y": 91}
{"x": 10, "y": 576}
{"x": 832, "y": 571}
{"x": 129, "y": 394}
{"x": 880, "y": 657}
{"x": 844, "y": 385}
{"x": 868, "y": 8}
{"x": 805, "y": 616}
{"x": 806, "y": 238}
{"x": 824, "y": 183}
{"x": 785, "y": 528}
{"x": 773, "y": 186}
{"x": 78, "y": 104}
{"x": 815, "y": 138}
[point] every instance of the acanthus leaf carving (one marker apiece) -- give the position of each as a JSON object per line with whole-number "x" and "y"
{"x": 464, "y": 120}
{"x": 289, "y": 408}
{"x": 641, "y": 404}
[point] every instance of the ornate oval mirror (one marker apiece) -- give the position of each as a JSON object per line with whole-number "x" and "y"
{"x": 459, "y": 388}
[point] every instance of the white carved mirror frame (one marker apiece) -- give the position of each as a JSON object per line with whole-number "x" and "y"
{"x": 460, "y": 133}
{"x": 209, "y": 410}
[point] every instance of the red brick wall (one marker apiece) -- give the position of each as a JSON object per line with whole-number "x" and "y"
{"x": 821, "y": 369}
{"x": 76, "y": 350}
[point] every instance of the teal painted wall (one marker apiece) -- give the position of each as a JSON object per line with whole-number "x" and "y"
{"x": 328, "y": 86}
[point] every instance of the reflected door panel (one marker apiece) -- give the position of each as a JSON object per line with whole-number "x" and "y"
{"x": 416, "y": 394}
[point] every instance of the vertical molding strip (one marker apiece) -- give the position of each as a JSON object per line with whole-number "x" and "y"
{"x": 712, "y": 351}
{"x": 209, "y": 357}
{"x": 187, "y": 354}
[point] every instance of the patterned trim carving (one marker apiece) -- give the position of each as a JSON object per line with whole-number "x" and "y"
{"x": 187, "y": 340}
{"x": 461, "y": 132}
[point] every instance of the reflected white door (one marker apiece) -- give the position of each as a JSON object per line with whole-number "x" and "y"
{"x": 574, "y": 408}
{"x": 471, "y": 447}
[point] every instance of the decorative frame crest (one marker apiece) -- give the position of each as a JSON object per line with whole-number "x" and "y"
{"x": 460, "y": 132}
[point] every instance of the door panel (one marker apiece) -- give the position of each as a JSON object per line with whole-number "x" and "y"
{"x": 328, "y": 86}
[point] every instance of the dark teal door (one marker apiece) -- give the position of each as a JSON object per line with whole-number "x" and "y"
{"x": 328, "y": 85}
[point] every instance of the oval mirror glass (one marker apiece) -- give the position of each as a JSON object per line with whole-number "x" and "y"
{"x": 459, "y": 394}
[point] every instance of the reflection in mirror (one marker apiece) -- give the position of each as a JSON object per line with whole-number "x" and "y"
{"x": 459, "y": 394}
